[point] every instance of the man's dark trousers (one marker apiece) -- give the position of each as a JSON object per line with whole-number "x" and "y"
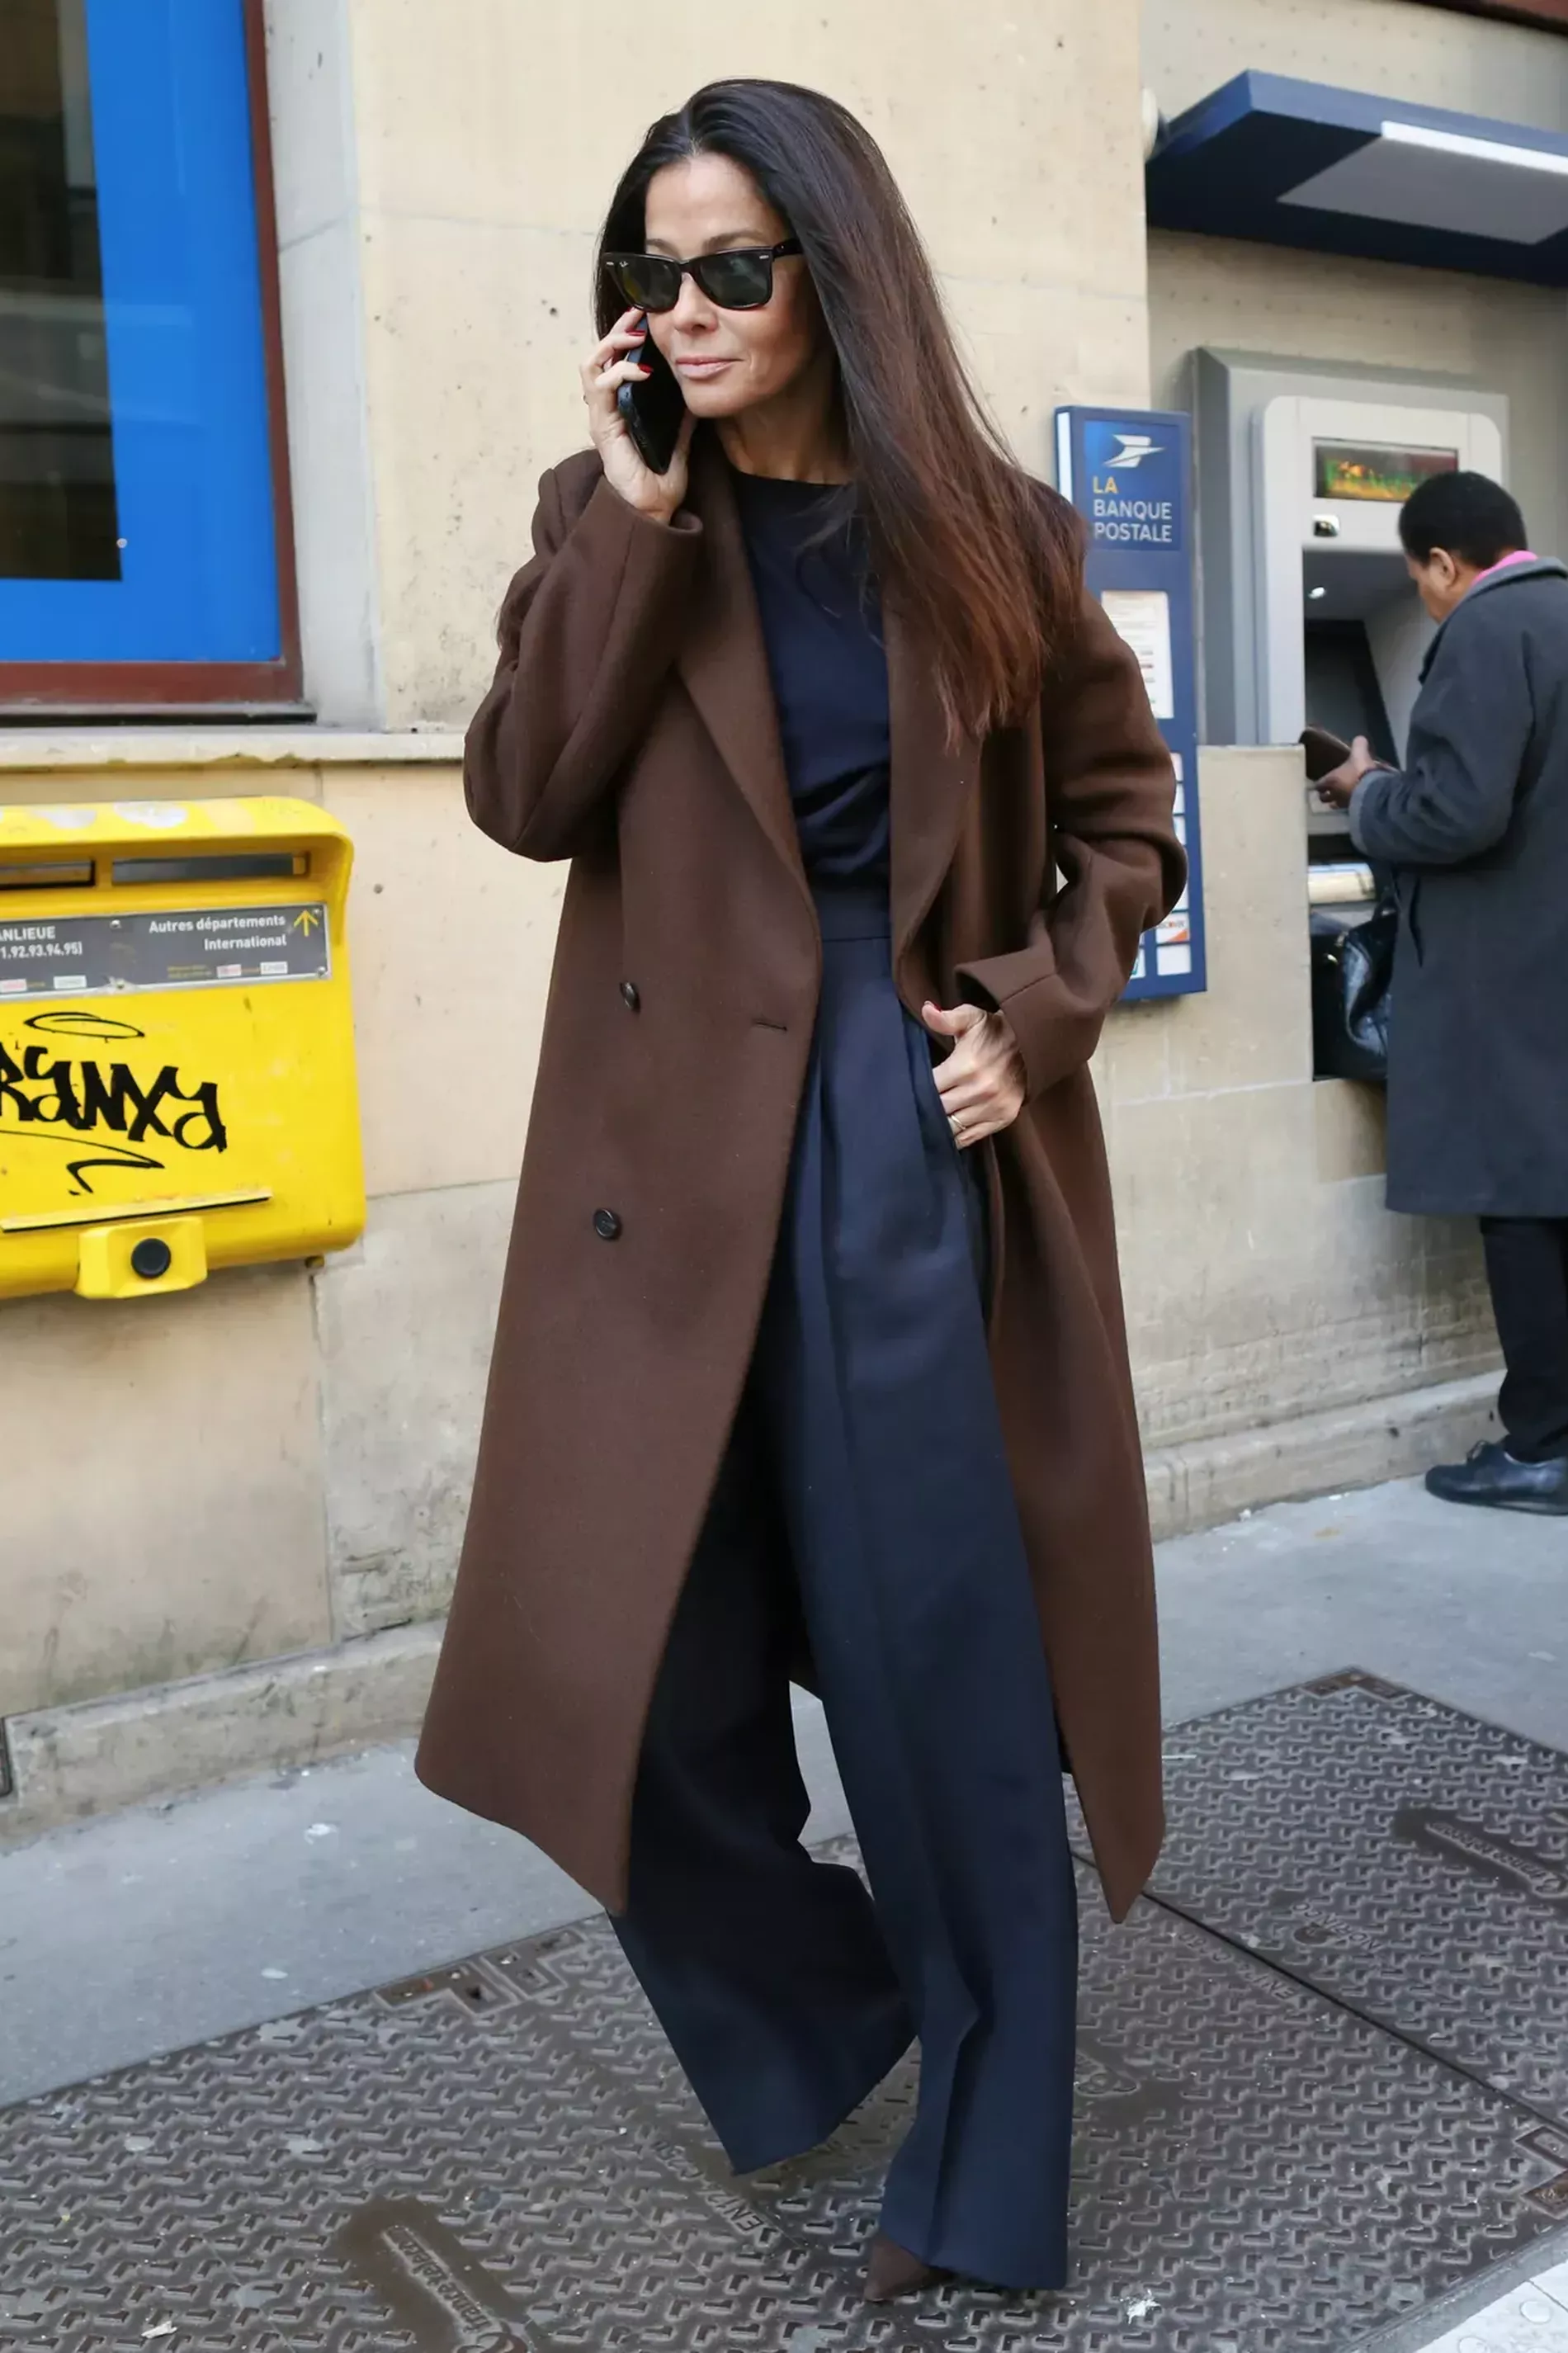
{"x": 1527, "y": 1268}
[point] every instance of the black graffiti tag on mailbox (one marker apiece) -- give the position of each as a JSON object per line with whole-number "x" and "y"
{"x": 44, "y": 1097}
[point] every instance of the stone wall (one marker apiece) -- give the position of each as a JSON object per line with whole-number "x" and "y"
{"x": 443, "y": 172}
{"x": 1266, "y": 1286}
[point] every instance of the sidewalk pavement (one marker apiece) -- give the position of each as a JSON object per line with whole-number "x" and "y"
{"x": 171, "y": 1923}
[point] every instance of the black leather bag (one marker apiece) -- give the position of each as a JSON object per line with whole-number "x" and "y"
{"x": 1352, "y": 971}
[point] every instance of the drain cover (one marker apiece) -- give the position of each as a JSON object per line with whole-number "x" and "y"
{"x": 503, "y": 2157}
{"x": 1406, "y": 1859}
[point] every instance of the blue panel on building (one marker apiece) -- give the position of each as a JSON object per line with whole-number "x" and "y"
{"x": 1283, "y": 161}
{"x": 1129, "y": 473}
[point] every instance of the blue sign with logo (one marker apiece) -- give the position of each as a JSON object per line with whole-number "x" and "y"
{"x": 1134, "y": 488}
{"x": 1128, "y": 472}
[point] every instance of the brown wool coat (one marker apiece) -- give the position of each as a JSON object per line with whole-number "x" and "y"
{"x": 631, "y": 729}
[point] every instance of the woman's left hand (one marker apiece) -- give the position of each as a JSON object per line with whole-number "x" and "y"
{"x": 982, "y": 1082}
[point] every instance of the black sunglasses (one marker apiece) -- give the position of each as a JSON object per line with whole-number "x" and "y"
{"x": 735, "y": 281}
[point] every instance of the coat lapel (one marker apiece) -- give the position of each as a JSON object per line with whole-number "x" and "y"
{"x": 932, "y": 780}
{"x": 723, "y": 662}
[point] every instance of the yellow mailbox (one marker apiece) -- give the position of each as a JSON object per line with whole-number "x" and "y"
{"x": 177, "y": 1081}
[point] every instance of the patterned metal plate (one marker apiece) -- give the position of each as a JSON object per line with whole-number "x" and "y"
{"x": 1406, "y": 1860}
{"x": 503, "y": 2158}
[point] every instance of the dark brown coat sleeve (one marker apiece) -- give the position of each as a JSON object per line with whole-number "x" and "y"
{"x": 1109, "y": 788}
{"x": 588, "y": 631}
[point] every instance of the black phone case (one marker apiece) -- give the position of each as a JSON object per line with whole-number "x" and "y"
{"x": 654, "y": 411}
{"x": 1324, "y": 752}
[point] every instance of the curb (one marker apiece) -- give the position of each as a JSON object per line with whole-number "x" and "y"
{"x": 1361, "y": 1445}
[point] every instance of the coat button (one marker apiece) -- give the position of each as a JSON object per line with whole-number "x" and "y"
{"x": 606, "y": 1225}
{"x": 631, "y": 996}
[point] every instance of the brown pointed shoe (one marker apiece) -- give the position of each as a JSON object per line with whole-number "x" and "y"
{"x": 893, "y": 2270}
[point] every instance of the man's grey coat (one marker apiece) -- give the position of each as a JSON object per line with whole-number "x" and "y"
{"x": 1476, "y": 824}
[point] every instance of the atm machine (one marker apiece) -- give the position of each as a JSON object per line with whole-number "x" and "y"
{"x": 1307, "y": 611}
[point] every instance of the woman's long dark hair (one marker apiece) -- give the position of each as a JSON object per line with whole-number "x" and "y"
{"x": 982, "y": 564}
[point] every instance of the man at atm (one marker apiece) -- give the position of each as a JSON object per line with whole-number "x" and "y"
{"x": 1476, "y": 828}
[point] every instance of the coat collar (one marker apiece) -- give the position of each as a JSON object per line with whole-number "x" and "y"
{"x": 723, "y": 664}
{"x": 1540, "y": 567}
{"x": 1537, "y": 567}
{"x": 932, "y": 780}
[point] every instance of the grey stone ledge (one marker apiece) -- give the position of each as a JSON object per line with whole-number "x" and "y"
{"x": 72, "y": 1762}
{"x": 1209, "y": 1480}
{"x": 90, "y": 750}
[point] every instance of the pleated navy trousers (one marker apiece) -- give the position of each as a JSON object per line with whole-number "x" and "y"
{"x": 865, "y": 1499}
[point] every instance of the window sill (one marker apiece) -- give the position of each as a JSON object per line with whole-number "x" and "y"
{"x": 94, "y": 751}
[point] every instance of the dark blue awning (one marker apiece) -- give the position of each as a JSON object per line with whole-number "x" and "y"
{"x": 1335, "y": 170}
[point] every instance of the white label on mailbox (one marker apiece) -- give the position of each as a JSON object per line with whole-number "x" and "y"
{"x": 185, "y": 947}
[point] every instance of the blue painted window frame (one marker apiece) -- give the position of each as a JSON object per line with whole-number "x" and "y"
{"x": 205, "y": 611}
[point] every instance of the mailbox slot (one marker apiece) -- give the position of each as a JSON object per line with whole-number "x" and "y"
{"x": 249, "y": 866}
{"x": 79, "y": 875}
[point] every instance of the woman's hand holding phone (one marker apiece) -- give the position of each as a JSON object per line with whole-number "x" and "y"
{"x": 614, "y": 363}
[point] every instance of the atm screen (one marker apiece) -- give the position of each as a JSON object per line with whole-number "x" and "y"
{"x": 1376, "y": 475}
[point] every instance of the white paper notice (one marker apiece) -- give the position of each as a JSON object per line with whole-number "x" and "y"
{"x": 1141, "y": 618}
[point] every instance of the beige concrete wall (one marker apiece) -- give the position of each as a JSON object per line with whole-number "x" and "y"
{"x": 452, "y": 941}
{"x": 1430, "y": 55}
{"x": 169, "y": 1518}
{"x": 1264, "y": 1278}
{"x": 485, "y": 137}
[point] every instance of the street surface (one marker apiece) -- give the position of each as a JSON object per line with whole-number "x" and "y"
{"x": 171, "y": 1923}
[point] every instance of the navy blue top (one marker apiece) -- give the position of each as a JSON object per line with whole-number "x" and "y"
{"x": 822, "y": 627}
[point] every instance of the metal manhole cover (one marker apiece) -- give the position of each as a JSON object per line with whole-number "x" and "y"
{"x": 502, "y": 2158}
{"x": 1410, "y": 1861}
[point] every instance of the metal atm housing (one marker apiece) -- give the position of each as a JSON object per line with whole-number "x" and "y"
{"x": 1307, "y": 611}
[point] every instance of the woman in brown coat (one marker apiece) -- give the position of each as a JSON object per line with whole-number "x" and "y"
{"x": 810, "y": 1359}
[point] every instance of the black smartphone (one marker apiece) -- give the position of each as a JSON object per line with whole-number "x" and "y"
{"x": 654, "y": 408}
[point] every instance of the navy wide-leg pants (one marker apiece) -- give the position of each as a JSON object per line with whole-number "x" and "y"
{"x": 864, "y": 1501}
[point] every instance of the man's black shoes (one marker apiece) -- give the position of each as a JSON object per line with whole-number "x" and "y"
{"x": 1492, "y": 1476}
